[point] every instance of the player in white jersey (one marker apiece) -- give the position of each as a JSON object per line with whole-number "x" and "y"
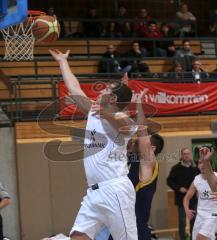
{"x": 205, "y": 225}
{"x": 110, "y": 198}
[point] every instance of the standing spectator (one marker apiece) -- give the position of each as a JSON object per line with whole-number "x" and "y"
{"x": 198, "y": 72}
{"x": 153, "y": 32}
{"x": 141, "y": 22}
{"x": 186, "y": 21}
{"x": 51, "y": 12}
{"x": 4, "y": 202}
{"x": 110, "y": 61}
{"x": 185, "y": 56}
{"x": 167, "y": 45}
{"x": 92, "y": 28}
{"x": 180, "y": 178}
{"x": 121, "y": 27}
{"x": 136, "y": 54}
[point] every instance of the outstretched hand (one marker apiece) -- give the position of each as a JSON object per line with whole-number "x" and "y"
{"x": 58, "y": 55}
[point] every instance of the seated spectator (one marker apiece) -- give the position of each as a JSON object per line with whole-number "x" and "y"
{"x": 198, "y": 72}
{"x": 75, "y": 31}
{"x": 92, "y": 28}
{"x": 185, "y": 56}
{"x": 176, "y": 73}
{"x": 51, "y": 12}
{"x": 186, "y": 21}
{"x": 213, "y": 21}
{"x": 135, "y": 63}
{"x": 120, "y": 28}
{"x": 167, "y": 45}
{"x": 153, "y": 32}
{"x": 213, "y": 74}
{"x": 110, "y": 61}
{"x": 141, "y": 22}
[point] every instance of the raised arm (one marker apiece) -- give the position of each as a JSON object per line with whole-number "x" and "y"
{"x": 146, "y": 152}
{"x": 190, "y": 193}
{"x": 83, "y": 102}
{"x": 206, "y": 156}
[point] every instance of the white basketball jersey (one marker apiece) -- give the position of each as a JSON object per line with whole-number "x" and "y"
{"x": 206, "y": 207}
{"x": 105, "y": 153}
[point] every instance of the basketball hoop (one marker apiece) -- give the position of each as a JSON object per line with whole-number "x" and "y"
{"x": 19, "y": 39}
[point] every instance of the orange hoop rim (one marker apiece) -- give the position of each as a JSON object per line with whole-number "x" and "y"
{"x": 34, "y": 14}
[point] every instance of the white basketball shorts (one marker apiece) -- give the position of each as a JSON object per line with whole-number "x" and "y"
{"x": 111, "y": 205}
{"x": 206, "y": 226}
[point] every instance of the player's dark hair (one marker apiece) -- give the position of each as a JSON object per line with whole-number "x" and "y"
{"x": 158, "y": 142}
{"x": 123, "y": 93}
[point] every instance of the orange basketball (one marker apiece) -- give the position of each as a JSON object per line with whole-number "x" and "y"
{"x": 46, "y": 29}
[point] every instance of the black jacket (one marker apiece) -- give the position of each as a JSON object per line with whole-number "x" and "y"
{"x": 109, "y": 62}
{"x": 181, "y": 176}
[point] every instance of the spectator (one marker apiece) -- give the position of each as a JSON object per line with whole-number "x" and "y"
{"x": 198, "y": 72}
{"x": 213, "y": 74}
{"x": 136, "y": 54}
{"x": 77, "y": 33}
{"x": 120, "y": 28}
{"x": 153, "y": 32}
{"x": 167, "y": 45}
{"x": 4, "y": 202}
{"x": 92, "y": 26}
{"x": 185, "y": 56}
{"x": 111, "y": 61}
{"x": 51, "y": 12}
{"x": 141, "y": 22}
{"x": 213, "y": 22}
{"x": 180, "y": 185}
{"x": 176, "y": 73}
{"x": 186, "y": 21}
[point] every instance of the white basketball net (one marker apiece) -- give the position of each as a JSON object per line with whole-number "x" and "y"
{"x": 19, "y": 42}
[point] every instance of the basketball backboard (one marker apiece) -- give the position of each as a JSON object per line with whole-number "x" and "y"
{"x": 12, "y": 12}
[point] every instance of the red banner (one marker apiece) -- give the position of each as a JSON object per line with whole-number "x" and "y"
{"x": 167, "y": 98}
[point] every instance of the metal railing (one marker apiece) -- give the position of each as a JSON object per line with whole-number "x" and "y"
{"x": 149, "y": 43}
{"x": 105, "y": 23}
{"x": 21, "y": 107}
